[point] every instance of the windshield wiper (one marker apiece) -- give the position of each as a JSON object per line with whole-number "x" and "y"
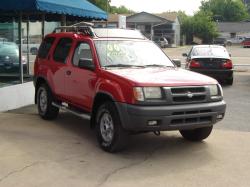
{"x": 121, "y": 65}
{"x": 158, "y": 65}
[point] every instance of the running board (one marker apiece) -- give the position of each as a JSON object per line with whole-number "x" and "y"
{"x": 65, "y": 108}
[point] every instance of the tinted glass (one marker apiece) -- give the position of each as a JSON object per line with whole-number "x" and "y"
{"x": 8, "y": 49}
{"x": 45, "y": 47}
{"x": 62, "y": 50}
{"x": 83, "y": 51}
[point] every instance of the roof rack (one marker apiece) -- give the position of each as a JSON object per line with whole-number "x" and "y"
{"x": 87, "y": 30}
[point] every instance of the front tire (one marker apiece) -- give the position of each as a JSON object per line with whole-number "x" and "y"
{"x": 110, "y": 134}
{"x": 197, "y": 134}
{"x": 44, "y": 103}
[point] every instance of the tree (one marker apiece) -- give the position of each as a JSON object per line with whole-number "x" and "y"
{"x": 120, "y": 10}
{"x": 225, "y": 10}
{"x": 200, "y": 25}
{"x": 105, "y": 5}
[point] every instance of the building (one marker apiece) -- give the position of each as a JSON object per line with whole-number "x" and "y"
{"x": 233, "y": 29}
{"x": 165, "y": 24}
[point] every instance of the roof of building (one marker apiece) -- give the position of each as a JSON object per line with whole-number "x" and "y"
{"x": 76, "y": 8}
{"x": 170, "y": 16}
{"x": 233, "y": 27}
{"x": 163, "y": 17}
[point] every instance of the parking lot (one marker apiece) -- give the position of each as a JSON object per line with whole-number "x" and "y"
{"x": 64, "y": 152}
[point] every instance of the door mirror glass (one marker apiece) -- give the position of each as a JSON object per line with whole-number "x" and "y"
{"x": 85, "y": 63}
{"x": 177, "y": 62}
{"x": 184, "y": 54}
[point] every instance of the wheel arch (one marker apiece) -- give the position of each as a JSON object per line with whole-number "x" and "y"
{"x": 39, "y": 81}
{"x": 99, "y": 99}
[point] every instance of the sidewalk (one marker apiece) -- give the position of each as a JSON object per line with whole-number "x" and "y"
{"x": 64, "y": 152}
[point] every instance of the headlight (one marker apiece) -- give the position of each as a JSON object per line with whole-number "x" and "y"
{"x": 213, "y": 90}
{"x": 152, "y": 93}
{"x": 141, "y": 94}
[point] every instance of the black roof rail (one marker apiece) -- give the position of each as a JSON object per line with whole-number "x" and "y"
{"x": 87, "y": 30}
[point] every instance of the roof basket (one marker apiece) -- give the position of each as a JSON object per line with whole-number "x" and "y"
{"x": 86, "y": 30}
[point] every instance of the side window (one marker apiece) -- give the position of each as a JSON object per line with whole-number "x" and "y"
{"x": 45, "y": 47}
{"x": 62, "y": 50}
{"x": 83, "y": 51}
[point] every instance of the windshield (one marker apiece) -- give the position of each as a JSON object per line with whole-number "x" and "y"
{"x": 8, "y": 50}
{"x": 210, "y": 51}
{"x": 130, "y": 53}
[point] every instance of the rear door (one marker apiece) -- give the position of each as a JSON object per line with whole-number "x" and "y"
{"x": 80, "y": 83}
{"x": 42, "y": 60}
{"x": 58, "y": 65}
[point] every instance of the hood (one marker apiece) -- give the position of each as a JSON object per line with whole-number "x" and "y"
{"x": 162, "y": 77}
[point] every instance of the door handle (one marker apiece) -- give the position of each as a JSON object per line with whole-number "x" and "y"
{"x": 68, "y": 72}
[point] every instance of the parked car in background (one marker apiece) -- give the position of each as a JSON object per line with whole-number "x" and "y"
{"x": 161, "y": 41}
{"x": 246, "y": 42}
{"x": 33, "y": 47}
{"x": 124, "y": 84}
{"x": 220, "y": 41}
{"x": 211, "y": 60}
{"x": 235, "y": 40}
{"x": 9, "y": 58}
{"x": 3, "y": 39}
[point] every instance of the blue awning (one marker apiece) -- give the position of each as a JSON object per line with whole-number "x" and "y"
{"x": 71, "y": 8}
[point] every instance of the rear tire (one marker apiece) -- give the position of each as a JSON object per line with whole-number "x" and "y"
{"x": 44, "y": 103}
{"x": 197, "y": 134}
{"x": 109, "y": 131}
{"x": 230, "y": 81}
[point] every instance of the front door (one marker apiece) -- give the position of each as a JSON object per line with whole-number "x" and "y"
{"x": 80, "y": 84}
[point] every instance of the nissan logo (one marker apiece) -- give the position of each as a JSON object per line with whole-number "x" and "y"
{"x": 190, "y": 95}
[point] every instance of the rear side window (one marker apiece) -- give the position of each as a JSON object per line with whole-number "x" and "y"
{"x": 62, "y": 50}
{"x": 45, "y": 47}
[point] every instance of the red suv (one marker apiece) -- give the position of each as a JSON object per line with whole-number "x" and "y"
{"x": 124, "y": 84}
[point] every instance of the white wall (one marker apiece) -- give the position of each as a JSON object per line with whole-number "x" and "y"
{"x": 16, "y": 96}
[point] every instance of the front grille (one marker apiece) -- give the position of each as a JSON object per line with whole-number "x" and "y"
{"x": 187, "y": 117}
{"x": 206, "y": 119}
{"x": 184, "y": 95}
{"x": 180, "y": 90}
{"x": 187, "y": 99}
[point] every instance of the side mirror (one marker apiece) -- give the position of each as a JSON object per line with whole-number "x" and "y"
{"x": 85, "y": 63}
{"x": 184, "y": 54}
{"x": 177, "y": 62}
{"x": 230, "y": 55}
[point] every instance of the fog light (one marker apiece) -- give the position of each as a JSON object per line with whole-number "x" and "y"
{"x": 219, "y": 117}
{"x": 152, "y": 123}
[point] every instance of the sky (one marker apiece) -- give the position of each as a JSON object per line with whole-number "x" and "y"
{"x": 158, "y": 6}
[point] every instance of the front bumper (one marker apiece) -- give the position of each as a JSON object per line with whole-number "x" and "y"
{"x": 12, "y": 68}
{"x": 176, "y": 117}
{"x": 221, "y": 75}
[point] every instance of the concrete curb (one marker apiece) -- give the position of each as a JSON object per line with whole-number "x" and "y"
{"x": 16, "y": 96}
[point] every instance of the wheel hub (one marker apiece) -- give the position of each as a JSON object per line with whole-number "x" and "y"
{"x": 107, "y": 127}
{"x": 43, "y": 100}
